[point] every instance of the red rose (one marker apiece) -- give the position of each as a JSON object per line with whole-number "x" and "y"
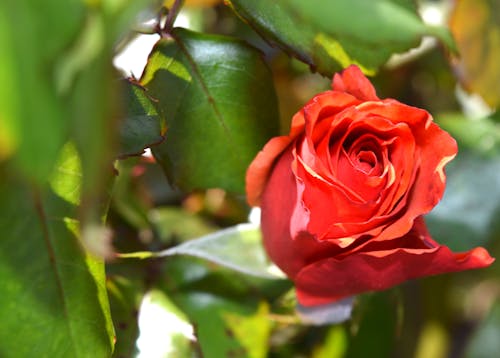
{"x": 342, "y": 196}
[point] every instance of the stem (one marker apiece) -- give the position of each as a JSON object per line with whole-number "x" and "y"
{"x": 172, "y": 15}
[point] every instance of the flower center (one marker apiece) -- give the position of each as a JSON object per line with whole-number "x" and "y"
{"x": 366, "y": 160}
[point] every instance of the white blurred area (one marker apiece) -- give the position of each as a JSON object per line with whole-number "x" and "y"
{"x": 158, "y": 329}
{"x": 132, "y": 59}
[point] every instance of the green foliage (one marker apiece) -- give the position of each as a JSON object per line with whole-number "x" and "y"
{"x": 218, "y": 101}
{"x": 330, "y": 35}
{"x": 205, "y": 105}
{"x": 53, "y": 292}
{"x": 142, "y": 126}
{"x": 237, "y": 247}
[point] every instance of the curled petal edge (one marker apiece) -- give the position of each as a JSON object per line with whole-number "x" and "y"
{"x": 333, "y": 279}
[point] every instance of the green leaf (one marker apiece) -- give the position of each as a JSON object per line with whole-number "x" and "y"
{"x": 53, "y": 293}
{"x": 238, "y": 247}
{"x": 218, "y": 100}
{"x": 330, "y": 35}
{"x": 208, "y": 314}
{"x": 33, "y": 119}
{"x": 124, "y": 299}
{"x": 141, "y": 127}
{"x": 375, "y": 325}
{"x": 335, "y": 344}
{"x": 252, "y": 331}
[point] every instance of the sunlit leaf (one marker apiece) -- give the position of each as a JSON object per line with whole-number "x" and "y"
{"x": 433, "y": 341}
{"x": 335, "y": 344}
{"x": 252, "y": 331}
{"x": 330, "y": 35}
{"x": 475, "y": 24}
{"x": 207, "y": 312}
{"x": 219, "y": 104}
{"x": 53, "y": 293}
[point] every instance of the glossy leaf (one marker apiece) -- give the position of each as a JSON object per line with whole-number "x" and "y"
{"x": 141, "y": 127}
{"x": 219, "y": 104}
{"x": 238, "y": 248}
{"x": 330, "y": 35}
{"x": 53, "y": 293}
{"x": 475, "y": 24}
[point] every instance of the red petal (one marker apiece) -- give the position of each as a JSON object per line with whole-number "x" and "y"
{"x": 334, "y": 278}
{"x": 353, "y": 81}
{"x": 289, "y": 251}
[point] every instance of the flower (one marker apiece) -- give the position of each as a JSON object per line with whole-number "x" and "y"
{"x": 344, "y": 194}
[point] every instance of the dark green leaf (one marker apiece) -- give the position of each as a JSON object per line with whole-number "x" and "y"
{"x": 141, "y": 126}
{"x": 124, "y": 298}
{"x": 219, "y": 104}
{"x": 330, "y": 35}
{"x": 375, "y": 323}
{"x": 53, "y": 293}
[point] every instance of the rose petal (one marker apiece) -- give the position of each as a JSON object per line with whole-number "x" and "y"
{"x": 353, "y": 81}
{"x": 259, "y": 170}
{"x": 289, "y": 253}
{"x": 332, "y": 279}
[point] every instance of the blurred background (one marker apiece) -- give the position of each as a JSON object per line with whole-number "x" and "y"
{"x": 233, "y": 315}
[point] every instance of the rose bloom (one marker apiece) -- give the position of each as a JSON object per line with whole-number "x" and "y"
{"x": 342, "y": 196}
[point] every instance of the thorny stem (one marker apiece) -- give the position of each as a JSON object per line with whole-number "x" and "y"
{"x": 171, "y": 16}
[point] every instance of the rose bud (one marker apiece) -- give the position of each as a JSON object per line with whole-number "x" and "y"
{"x": 344, "y": 194}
